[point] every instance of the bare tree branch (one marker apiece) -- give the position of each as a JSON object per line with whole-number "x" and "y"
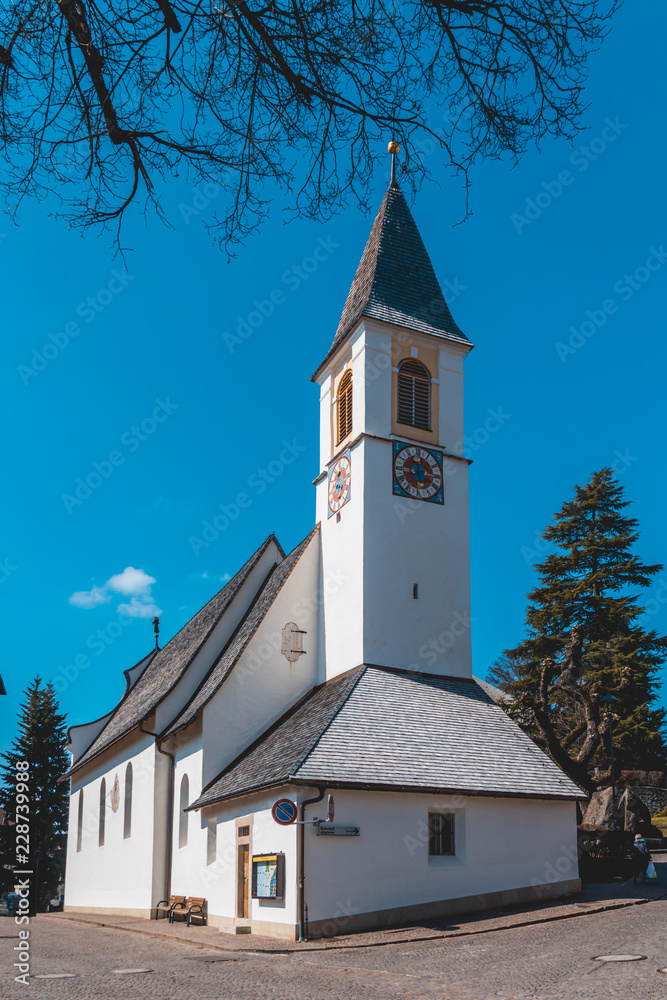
{"x": 264, "y": 97}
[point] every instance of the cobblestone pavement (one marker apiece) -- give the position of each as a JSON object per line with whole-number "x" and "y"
{"x": 549, "y": 961}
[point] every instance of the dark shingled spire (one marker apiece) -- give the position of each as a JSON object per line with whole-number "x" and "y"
{"x": 395, "y": 280}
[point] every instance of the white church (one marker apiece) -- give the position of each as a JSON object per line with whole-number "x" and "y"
{"x": 311, "y": 753}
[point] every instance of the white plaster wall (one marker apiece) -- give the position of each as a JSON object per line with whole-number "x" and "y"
{"x": 188, "y": 862}
{"x": 264, "y": 685}
{"x": 501, "y": 844}
{"x": 125, "y": 873}
{"x": 384, "y": 544}
{"x": 408, "y": 542}
{"x": 219, "y": 880}
{"x": 186, "y": 687}
{"x": 342, "y": 572}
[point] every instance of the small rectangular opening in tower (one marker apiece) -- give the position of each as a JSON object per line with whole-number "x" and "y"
{"x": 415, "y": 591}
{"x": 337, "y": 516}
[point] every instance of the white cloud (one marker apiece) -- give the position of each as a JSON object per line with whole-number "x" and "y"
{"x": 204, "y": 576}
{"x": 90, "y": 598}
{"x": 131, "y": 582}
{"x": 225, "y": 578}
{"x": 138, "y": 609}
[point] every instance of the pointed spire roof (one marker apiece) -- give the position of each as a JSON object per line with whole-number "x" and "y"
{"x": 395, "y": 280}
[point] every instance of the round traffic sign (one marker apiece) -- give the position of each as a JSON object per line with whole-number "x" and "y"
{"x": 284, "y": 811}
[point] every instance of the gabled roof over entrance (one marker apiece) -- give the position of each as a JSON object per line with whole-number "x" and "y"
{"x": 169, "y": 664}
{"x": 383, "y": 729}
{"x": 395, "y": 280}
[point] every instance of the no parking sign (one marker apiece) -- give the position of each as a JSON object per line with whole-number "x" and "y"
{"x": 284, "y": 811}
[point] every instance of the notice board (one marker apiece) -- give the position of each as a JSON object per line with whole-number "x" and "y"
{"x": 268, "y": 876}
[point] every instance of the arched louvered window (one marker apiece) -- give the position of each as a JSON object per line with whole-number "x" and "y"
{"x": 344, "y": 406}
{"x": 414, "y": 394}
{"x": 182, "y": 815}
{"x": 103, "y": 804}
{"x": 79, "y": 822}
{"x": 127, "y": 811}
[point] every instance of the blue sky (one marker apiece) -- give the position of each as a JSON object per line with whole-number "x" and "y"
{"x": 146, "y": 383}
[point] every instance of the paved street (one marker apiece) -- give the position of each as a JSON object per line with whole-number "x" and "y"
{"x": 549, "y": 961}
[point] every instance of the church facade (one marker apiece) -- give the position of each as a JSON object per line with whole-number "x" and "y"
{"x": 311, "y": 752}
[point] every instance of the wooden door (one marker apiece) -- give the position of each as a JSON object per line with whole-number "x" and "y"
{"x": 243, "y": 909}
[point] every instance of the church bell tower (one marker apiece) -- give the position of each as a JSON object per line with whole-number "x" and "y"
{"x": 392, "y": 493}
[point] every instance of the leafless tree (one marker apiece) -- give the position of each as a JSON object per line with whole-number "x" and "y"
{"x": 100, "y": 101}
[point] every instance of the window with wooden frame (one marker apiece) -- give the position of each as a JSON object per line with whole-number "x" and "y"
{"x": 344, "y": 415}
{"x": 441, "y": 835}
{"x": 414, "y": 394}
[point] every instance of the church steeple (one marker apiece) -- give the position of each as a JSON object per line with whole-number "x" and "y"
{"x": 392, "y": 494}
{"x": 395, "y": 281}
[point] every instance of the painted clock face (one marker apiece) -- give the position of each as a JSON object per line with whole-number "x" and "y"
{"x": 339, "y": 483}
{"x": 418, "y": 472}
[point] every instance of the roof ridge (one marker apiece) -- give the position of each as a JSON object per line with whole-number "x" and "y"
{"x": 294, "y": 555}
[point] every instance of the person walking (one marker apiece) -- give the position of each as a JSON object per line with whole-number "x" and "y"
{"x": 641, "y": 857}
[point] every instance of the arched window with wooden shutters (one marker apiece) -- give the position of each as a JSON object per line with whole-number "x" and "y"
{"x": 344, "y": 407}
{"x": 414, "y": 394}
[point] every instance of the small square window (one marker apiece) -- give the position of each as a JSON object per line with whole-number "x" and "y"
{"x": 441, "y": 835}
{"x": 243, "y": 831}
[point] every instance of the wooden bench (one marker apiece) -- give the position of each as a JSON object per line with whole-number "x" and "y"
{"x": 193, "y": 906}
{"x": 169, "y": 905}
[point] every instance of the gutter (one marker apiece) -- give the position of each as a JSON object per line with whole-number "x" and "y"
{"x": 170, "y": 807}
{"x": 301, "y": 860}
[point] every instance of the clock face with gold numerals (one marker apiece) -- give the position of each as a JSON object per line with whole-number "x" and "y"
{"x": 418, "y": 472}
{"x": 340, "y": 482}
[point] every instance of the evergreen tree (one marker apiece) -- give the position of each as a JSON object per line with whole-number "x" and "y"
{"x": 587, "y": 637}
{"x": 41, "y": 742}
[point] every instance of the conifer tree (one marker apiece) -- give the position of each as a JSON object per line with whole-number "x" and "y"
{"x": 41, "y": 742}
{"x": 588, "y": 635}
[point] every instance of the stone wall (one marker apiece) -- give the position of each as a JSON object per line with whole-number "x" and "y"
{"x": 655, "y": 799}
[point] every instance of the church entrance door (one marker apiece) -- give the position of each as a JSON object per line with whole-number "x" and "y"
{"x": 243, "y": 908}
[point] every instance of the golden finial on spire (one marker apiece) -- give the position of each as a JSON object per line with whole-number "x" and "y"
{"x": 393, "y": 148}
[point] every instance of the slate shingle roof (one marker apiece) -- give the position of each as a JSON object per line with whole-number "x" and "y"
{"x": 170, "y": 663}
{"x": 239, "y": 640}
{"x": 379, "y": 728}
{"x": 395, "y": 280}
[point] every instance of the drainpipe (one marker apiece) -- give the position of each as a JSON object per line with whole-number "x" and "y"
{"x": 170, "y": 807}
{"x": 301, "y": 873}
